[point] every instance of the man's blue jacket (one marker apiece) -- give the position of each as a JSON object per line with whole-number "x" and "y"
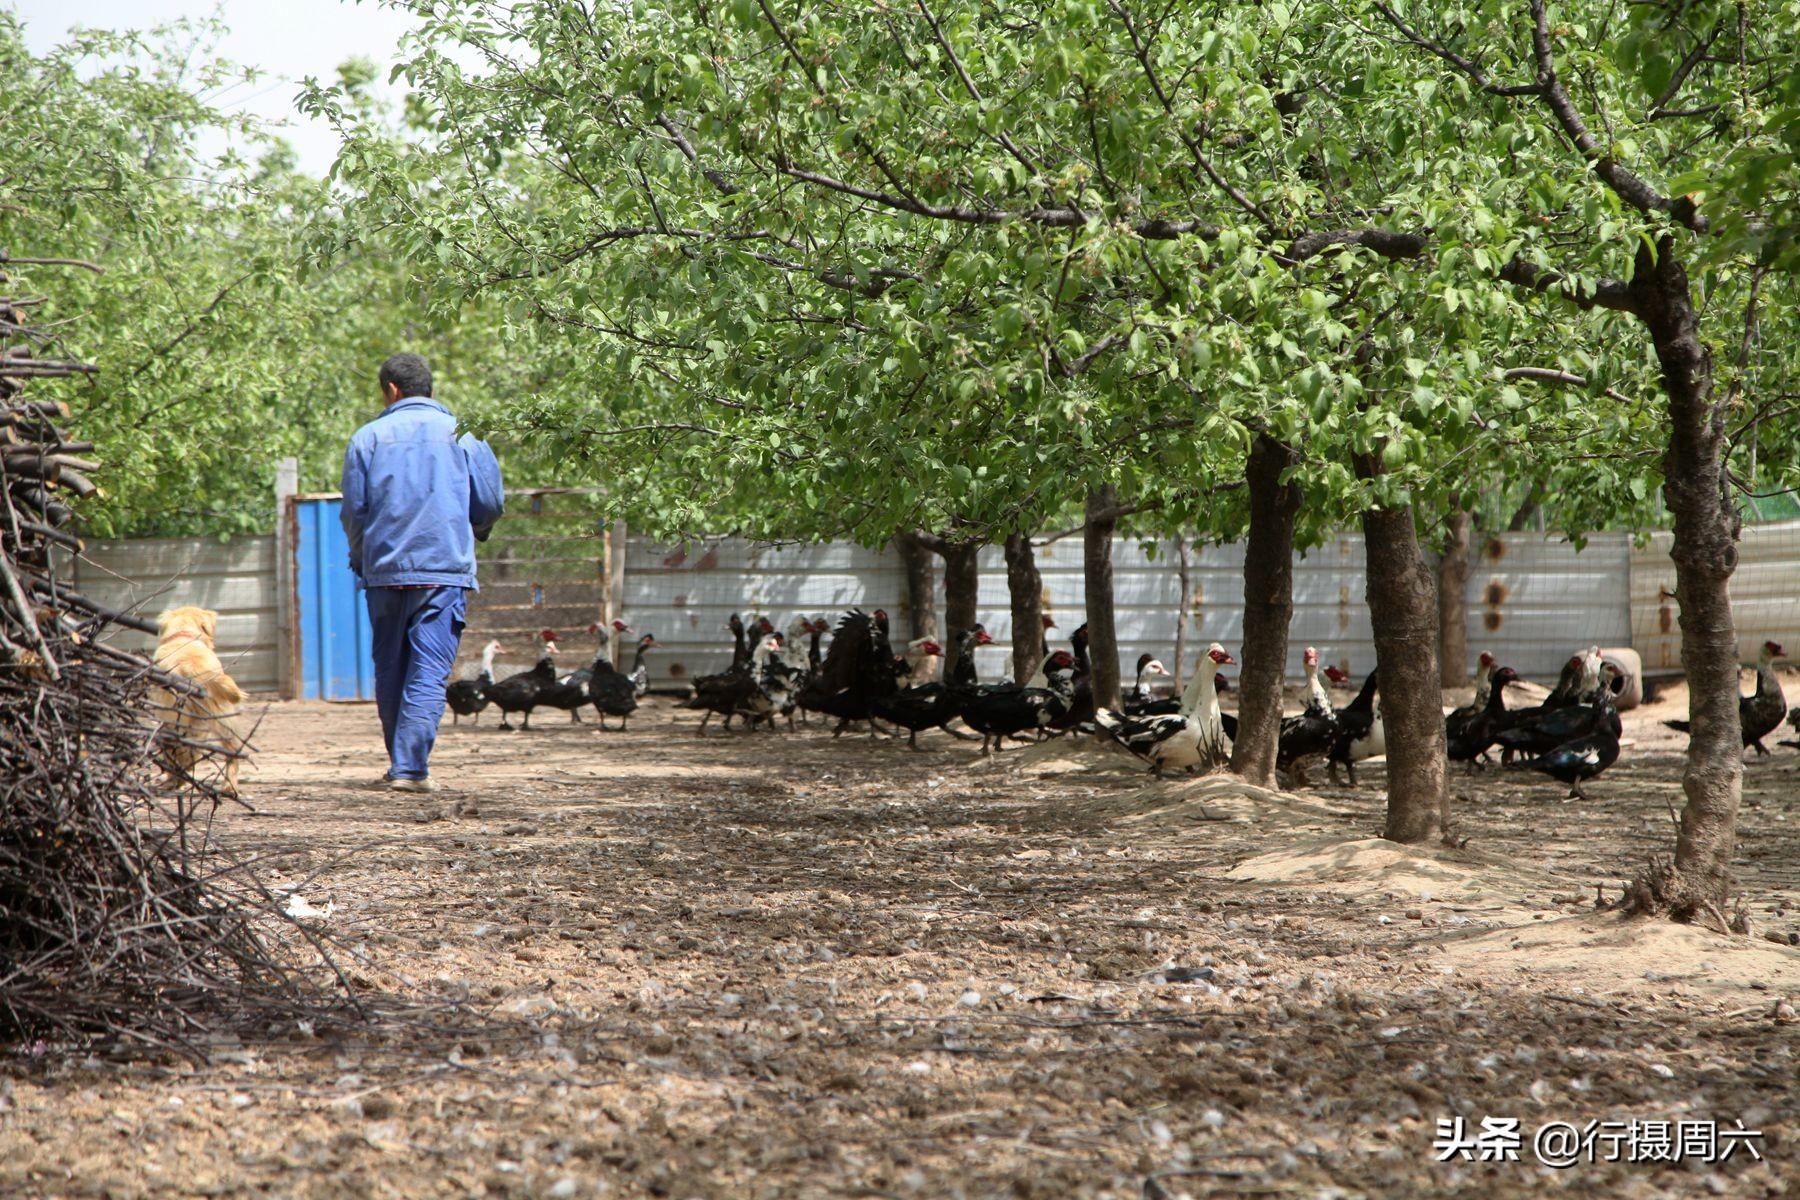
{"x": 416, "y": 497}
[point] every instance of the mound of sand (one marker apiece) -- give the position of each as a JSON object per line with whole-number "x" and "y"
{"x": 1212, "y": 799}
{"x": 1605, "y": 954}
{"x": 1376, "y": 865}
{"x": 1070, "y": 754}
{"x": 1371, "y": 866}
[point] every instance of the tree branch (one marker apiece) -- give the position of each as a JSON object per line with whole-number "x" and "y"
{"x": 1693, "y": 59}
{"x": 1626, "y": 184}
{"x": 714, "y": 177}
{"x": 1606, "y": 293}
{"x": 1550, "y": 375}
{"x": 1385, "y": 242}
{"x": 84, "y": 264}
{"x": 962, "y": 73}
{"x": 1477, "y": 76}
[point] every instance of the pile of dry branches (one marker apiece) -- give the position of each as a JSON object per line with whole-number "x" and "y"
{"x": 121, "y": 924}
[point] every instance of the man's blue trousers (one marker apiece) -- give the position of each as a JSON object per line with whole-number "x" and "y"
{"x": 416, "y": 632}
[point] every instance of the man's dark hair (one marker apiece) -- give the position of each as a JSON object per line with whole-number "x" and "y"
{"x": 407, "y": 372}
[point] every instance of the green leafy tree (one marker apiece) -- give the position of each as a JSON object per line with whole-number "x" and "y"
{"x": 227, "y": 345}
{"x": 1604, "y": 132}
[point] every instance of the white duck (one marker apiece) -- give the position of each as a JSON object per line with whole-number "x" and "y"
{"x": 1192, "y": 738}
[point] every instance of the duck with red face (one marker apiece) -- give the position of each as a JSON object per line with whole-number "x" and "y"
{"x": 614, "y": 693}
{"x": 1360, "y": 732}
{"x": 1192, "y": 738}
{"x": 1306, "y": 736}
{"x": 858, "y": 668}
{"x": 963, "y": 674}
{"x": 1584, "y": 758}
{"x": 570, "y": 692}
{"x": 1149, "y": 668}
{"x": 1470, "y": 742}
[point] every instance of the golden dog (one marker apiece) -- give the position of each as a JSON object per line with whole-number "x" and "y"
{"x": 184, "y": 648}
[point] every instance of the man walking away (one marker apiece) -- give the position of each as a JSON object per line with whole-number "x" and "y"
{"x": 416, "y": 499}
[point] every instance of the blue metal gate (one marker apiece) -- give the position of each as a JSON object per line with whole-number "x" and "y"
{"x": 332, "y": 620}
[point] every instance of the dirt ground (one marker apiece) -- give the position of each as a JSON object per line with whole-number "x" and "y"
{"x": 778, "y": 965}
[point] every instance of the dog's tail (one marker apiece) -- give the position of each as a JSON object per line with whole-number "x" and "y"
{"x": 224, "y": 692}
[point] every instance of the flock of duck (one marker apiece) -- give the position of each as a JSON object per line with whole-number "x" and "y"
{"x": 1572, "y": 735}
{"x": 612, "y": 692}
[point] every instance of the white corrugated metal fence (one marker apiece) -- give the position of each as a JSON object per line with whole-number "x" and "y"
{"x": 234, "y": 578}
{"x": 1532, "y": 598}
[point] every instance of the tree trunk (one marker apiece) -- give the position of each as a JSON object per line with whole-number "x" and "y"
{"x": 1026, "y": 588}
{"x": 921, "y": 601}
{"x": 1181, "y": 612}
{"x": 1403, "y": 610}
{"x": 1526, "y": 516}
{"x": 1453, "y": 603}
{"x": 1097, "y": 573}
{"x": 962, "y": 587}
{"x": 1705, "y": 554}
{"x": 1268, "y": 609}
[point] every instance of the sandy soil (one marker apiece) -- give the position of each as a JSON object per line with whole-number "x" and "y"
{"x": 787, "y": 966}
